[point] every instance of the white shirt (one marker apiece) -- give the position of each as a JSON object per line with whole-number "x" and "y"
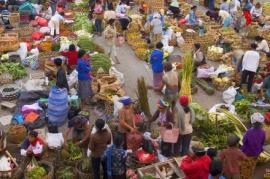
{"x": 223, "y": 14}
{"x": 57, "y": 17}
{"x": 157, "y": 26}
{"x": 263, "y": 45}
{"x": 251, "y": 61}
{"x": 256, "y": 12}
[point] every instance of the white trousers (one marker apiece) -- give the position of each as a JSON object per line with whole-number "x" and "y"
{"x": 112, "y": 50}
{"x": 54, "y": 26}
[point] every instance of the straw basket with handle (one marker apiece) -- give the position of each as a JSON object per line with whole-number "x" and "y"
{"x": 169, "y": 135}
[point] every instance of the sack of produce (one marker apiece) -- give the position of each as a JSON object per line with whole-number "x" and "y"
{"x": 37, "y": 35}
{"x": 204, "y": 72}
{"x": 16, "y": 133}
{"x": 229, "y": 95}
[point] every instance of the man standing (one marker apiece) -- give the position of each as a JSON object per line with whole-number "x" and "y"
{"x": 156, "y": 60}
{"x": 250, "y": 65}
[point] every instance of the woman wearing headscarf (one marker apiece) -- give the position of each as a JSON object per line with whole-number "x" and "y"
{"x": 165, "y": 119}
{"x": 253, "y": 142}
{"x": 126, "y": 118}
{"x": 226, "y": 18}
{"x": 184, "y": 117}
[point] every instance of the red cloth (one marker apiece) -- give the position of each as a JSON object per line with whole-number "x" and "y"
{"x": 183, "y": 100}
{"x": 196, "y": 169}
{"x": 247, "y": 17}
{"x": 72, "y": 57}
{"x": 267, "y": 117}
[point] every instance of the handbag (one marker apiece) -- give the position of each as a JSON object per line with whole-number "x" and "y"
{"x": 169, "y": 135}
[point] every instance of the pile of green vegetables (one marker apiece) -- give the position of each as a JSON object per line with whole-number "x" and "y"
{"x": 82, "y": 5}
{"x": 213, "y": 134}
{"x": 72, "y": 152}
{"x": 82, "y": 23}
{"x": 17, "y": 70}
{"x": 102, "y": 61}
{"x": 65, "y": 173}
{"x": 88, "y": 44}
{"x": 36, "y": 173}
{"x": 200, "y": 112}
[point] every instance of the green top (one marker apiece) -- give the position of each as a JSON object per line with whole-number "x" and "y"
{"x": 174, "y": 3}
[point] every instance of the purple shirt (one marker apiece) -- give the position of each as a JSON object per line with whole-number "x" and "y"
{"x": 253, "y": 142}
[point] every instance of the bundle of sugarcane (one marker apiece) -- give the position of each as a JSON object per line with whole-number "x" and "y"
{"x": 142, "y": 96}
{"x": 187, "y": 76}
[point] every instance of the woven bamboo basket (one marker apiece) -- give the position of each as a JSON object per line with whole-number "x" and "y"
{"x": 43, "y": 57}
{"x": 2, "y": 29}
{"x": 25, "y": 31}
{"x": 16, "y": 133}
{"x": 48, "y": 167}
{"x": 14, "y": 19}
{"x": 9, "y": 42}
{"x": 214, "y": 56}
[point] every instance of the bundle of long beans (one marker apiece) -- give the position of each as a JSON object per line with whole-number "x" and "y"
{"x": 187, "y": 76}
{"x": 143, "y": 96}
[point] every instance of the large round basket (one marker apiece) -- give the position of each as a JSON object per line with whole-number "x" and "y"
{"x": 16, "y": 133}
{"x": 80, "y": 174}
{"x": 9, "y": 91}
{"x": 12, "y": 174}
{"x": 48, "y": 167}
{"x": 25, "y": 30}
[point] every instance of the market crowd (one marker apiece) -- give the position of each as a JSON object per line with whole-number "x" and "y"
{"x": 110, "y": 148}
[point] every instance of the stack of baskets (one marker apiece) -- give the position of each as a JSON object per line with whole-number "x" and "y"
{"x": 155, "y": 5}
{"x": 190, "y": 39}
{"x": 207, "y": 40}
{"x": 9, "y": 42}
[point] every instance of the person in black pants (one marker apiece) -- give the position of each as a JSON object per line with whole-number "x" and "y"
{"x": 250, "y": 66}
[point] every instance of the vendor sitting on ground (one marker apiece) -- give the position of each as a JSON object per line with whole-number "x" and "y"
{"x": 213, "y": 15}
{"x": 256, "y": 11}
{"x": 192, "y": 18}
{"x": 72, "y": 57}
{"x": 262, "y": 44}
{"x": 80, "y": 127}
{"x": 226, "y": 18}
{"x": 33, "y": 145}
{"x": 198, "y": 56}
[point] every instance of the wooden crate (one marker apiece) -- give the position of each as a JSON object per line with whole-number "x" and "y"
{"x": 156, "y": 168}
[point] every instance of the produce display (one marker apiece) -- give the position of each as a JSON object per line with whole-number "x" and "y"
{"x": 214, "y": 53}
{"x": 86, "y": 43}
{"x": 187, "y": 76}
{"x": 101, "y": 61}
{"x": 72, "y": 152}
{"x": 82, "y": 22}
{"x": 17, "y": 70}
{"x": 221, "y": 83}
{"x": 65, "y": 173}
{"x": 34, "y": 170}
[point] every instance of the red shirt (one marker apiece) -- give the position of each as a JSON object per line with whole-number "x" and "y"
{"x": 231, "y": 159}
{"x": 72, "y": 57}
{"x": 196, "y": 169}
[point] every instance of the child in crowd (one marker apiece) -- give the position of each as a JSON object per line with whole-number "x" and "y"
{"x": 216, "y": 170}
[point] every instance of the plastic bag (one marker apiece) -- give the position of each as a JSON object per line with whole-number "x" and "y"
{"x": 228, "y": 95}
{"x": 204, "y": 72}
{"x": 45, "y": 30}
{"x": 118, "y": 74}
{"x": 217, "y": 106}
{"x": 116, "y": 105}
{"x": 179, "y": 39}
{"x": 37, "y": 35}
{"x": 42, "y": 22}
{"x": 144, "y": 157}
{"x": 54, "y": 140}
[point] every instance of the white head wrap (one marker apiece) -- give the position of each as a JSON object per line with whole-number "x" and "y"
{"x": 257, "y": 117}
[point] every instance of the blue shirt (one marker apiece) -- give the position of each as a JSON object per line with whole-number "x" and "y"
{"x": 156, "y": 59}
{"x": 192, "y": 18}
{"x": 83, "y": 68}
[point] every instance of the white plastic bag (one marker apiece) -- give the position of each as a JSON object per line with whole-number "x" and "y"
{"x": 228, "y": 95}
{"x": 22, "y": 51}
{"x": 54, "y": 140}
{"x": 116, "y": 105}
{"x": 204, "y": 72}
{"x": 118, "y": 74}
{"x": 72, "y": 78}
{"x": 45, "y": 30}
{"x": 217, "y": 106}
